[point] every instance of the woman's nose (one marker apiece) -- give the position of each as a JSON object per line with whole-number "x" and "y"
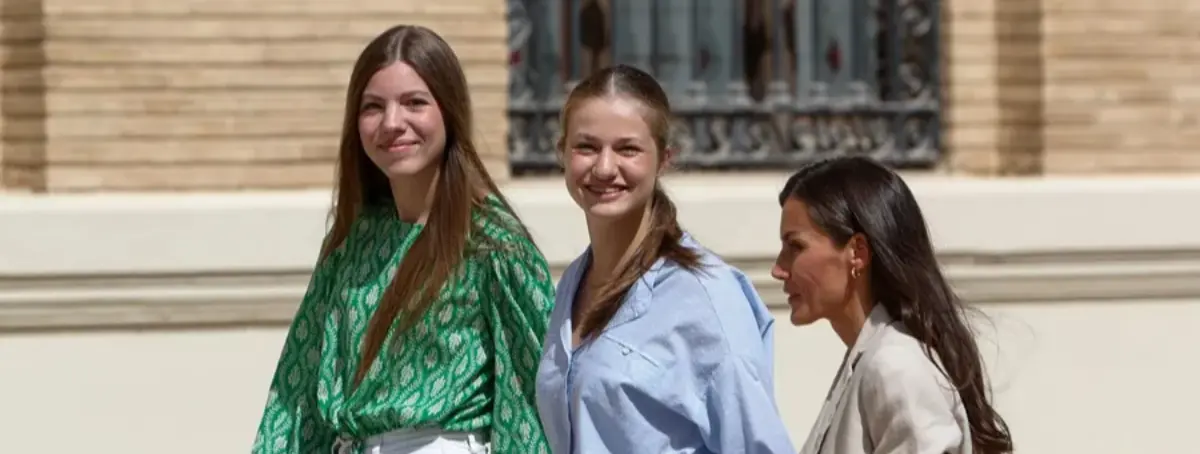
{"x": 393, "y": 119}
{"x": 605, "y": 167}
{"x": 778, "y": 272}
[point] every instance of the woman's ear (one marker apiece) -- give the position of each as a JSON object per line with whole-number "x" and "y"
{"x": 668, "y": 156}
{"x": 560, "y": 151}
{"x": 860, "y": 251}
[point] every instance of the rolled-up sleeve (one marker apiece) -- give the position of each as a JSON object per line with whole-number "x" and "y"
{"x": 741, "y": 412}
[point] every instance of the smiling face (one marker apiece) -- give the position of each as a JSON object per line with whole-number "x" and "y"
{"x": 818, "y": 275}
{"x": 611, "y": 157}
{"x": 399, "y": 122}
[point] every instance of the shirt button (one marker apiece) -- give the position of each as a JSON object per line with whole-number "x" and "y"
{"x": 626, "y": 350}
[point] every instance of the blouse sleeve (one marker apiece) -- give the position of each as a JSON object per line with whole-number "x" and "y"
{"x": 523, "y": 294}
{"x": 289, "y": 423}
{"x": 742, "y": 416}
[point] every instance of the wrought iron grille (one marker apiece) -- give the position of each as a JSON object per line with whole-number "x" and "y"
{"x": 753, "y": 83}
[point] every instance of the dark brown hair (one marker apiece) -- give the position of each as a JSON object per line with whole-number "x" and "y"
{"x": 855, "y": 195}
{"x": 664, "y": 237}
{"x": 461, "y": 188}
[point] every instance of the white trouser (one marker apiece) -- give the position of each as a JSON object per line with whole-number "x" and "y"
{"x": 418, "y": 441}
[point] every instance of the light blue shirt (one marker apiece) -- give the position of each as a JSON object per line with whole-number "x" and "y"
{"x": 685, "y": 366}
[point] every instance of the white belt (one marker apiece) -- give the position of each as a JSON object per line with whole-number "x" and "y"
{"x": 404, "y": 441}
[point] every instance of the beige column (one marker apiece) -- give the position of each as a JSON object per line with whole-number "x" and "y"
{"x": 993, "y": 86}
{"x": 20, "y": 91}
{"x": 212, "y": 94}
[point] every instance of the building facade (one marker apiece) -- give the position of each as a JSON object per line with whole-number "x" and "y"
{"x": 222, "y": 95}
{"x": 165, "y": 169}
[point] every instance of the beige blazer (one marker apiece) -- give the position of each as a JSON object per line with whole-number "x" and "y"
{"x": 889, "y": 398}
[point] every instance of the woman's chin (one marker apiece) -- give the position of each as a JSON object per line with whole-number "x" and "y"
{"x": 608, "y": 210}
{"x": 802, "y": 317}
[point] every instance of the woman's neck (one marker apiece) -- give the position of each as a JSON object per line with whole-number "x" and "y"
{"x": 614, "y": 242}
{"x": 849, "y": 324}
{"x": 414, "y": 194}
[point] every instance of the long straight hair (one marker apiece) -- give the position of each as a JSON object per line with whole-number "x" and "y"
{"x": 664, "y": 239}
{"x": 855, "y": 195}
{"x": 464, "y": 181}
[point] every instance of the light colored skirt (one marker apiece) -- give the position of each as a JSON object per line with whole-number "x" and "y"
{"x": 419, "y": 441}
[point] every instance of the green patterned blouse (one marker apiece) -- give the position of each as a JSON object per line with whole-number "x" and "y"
{"x": 469, "y": 364}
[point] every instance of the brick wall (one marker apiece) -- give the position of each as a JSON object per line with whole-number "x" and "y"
{"x": 1073, "y": 86}
{"x": 209, "y": 94}
{"x": 1122, "y": 85}
{"x": 225, "y": 94}
{"x": 993, "y": 86}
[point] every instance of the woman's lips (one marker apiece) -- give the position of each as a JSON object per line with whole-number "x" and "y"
{"x": 605, "y": 193}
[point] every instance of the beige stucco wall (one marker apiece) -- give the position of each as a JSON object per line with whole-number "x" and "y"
{"x": 1096, "y": 377}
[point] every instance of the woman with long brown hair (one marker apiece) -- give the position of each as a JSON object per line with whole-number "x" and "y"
{"x": 856, "y": 252}
{"x": 655, "y": 344}
{"x": 425, "y": 314}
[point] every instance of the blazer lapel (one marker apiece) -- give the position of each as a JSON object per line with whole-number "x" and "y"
{"x": 835, "y": 400}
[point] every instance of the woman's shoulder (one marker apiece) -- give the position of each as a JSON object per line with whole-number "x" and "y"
{"x": 373, "y": 228}
{"x": 892, "y": 349}
{"x": 499, "y": 229}
{"x": 899, "y": 359}
{"x": 713, "y": 279}
{"x": 715, "y": 296}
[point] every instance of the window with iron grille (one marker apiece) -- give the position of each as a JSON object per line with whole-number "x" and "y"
{"x": 754, "y": 84}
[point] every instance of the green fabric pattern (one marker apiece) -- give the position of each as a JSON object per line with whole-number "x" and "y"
{"x": 469, "y": 364}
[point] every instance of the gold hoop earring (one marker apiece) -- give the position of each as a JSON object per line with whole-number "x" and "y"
{"x": 854, "y": 273}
